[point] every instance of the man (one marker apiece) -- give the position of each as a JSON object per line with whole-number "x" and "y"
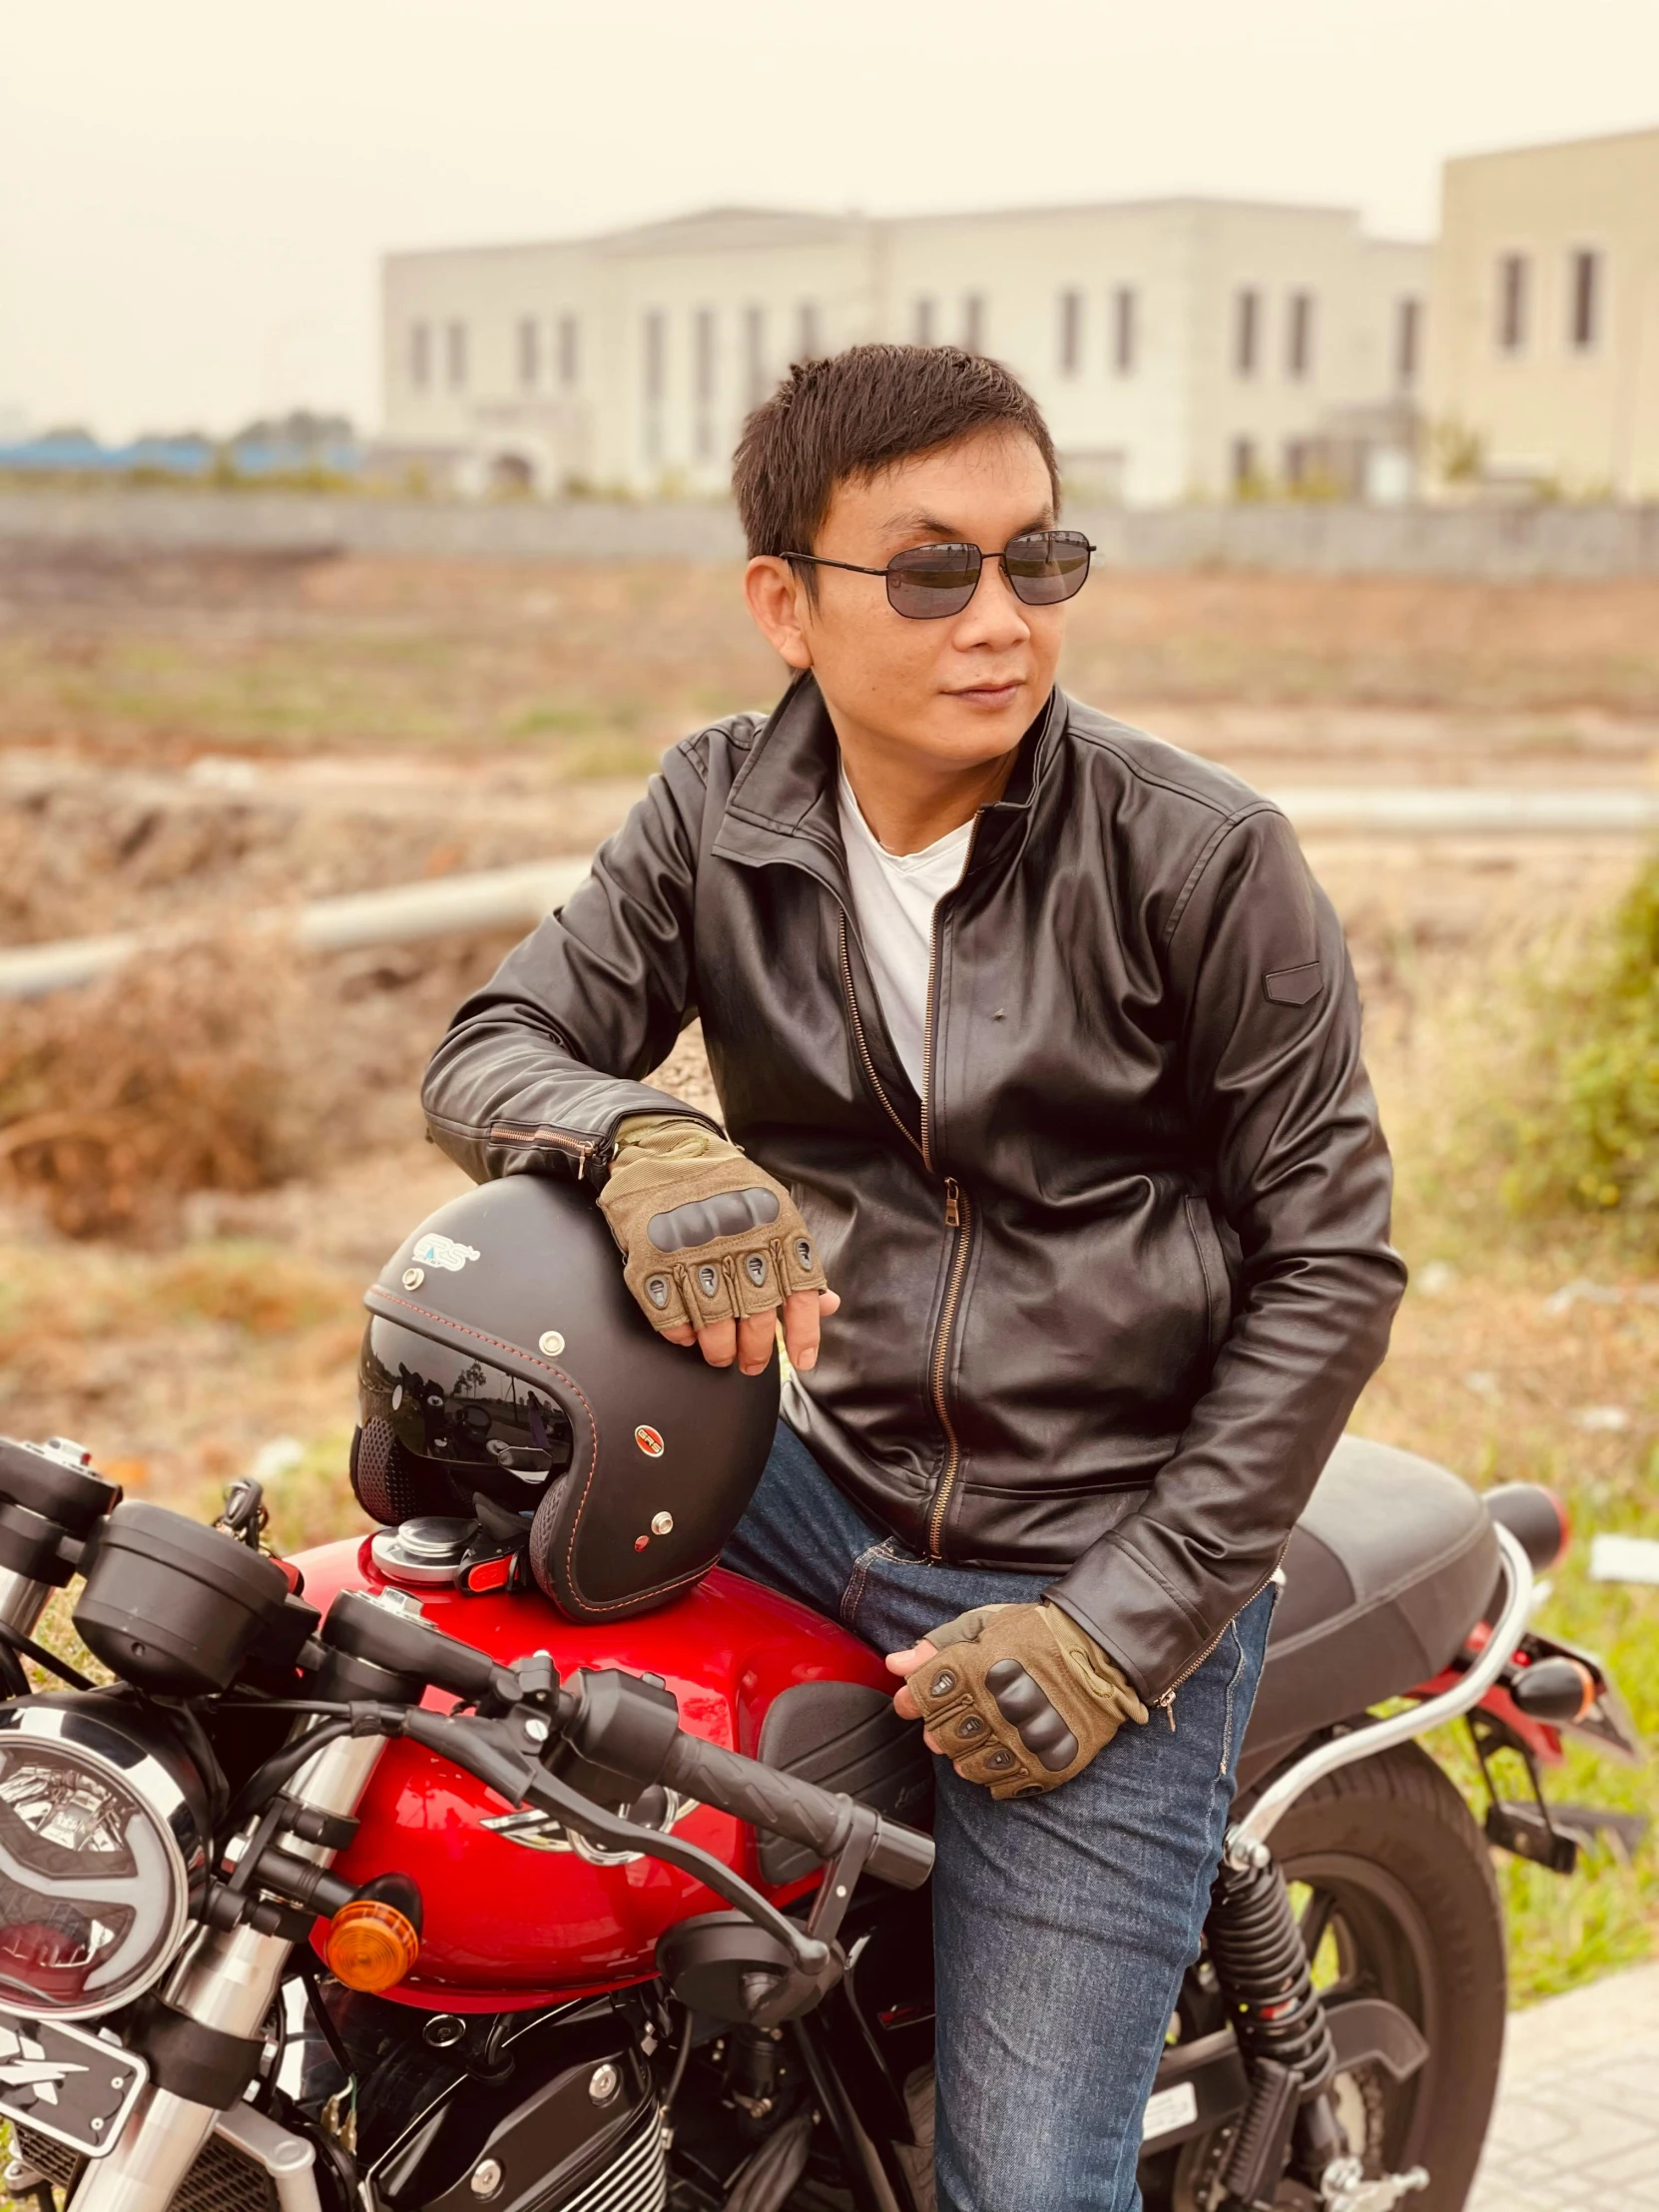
{"x": 1043, "y": 1047}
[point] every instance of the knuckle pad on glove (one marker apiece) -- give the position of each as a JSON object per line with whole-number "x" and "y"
{"x": 1019, "y": 1698}
{"x": 707, "y": 1238}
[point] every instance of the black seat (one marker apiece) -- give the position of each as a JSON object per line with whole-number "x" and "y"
{"x": 1391, "y": 1565}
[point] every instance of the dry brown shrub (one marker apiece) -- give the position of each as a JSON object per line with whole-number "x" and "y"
{"x": 186, "y": 1070}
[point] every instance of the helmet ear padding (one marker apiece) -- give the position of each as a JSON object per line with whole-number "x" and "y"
{"x": 390, "y": 1485}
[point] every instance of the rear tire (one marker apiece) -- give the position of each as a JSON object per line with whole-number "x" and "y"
{"x": 1397, "y": 1869}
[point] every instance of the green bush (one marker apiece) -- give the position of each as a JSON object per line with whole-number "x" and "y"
{"x": 1590, "y": 1138}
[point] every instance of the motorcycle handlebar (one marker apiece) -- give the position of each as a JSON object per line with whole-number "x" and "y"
{"x": 786, "y": 1805}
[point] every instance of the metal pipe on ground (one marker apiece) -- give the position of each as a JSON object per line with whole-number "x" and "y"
{"x": 495, "y": 899}
{"x": 447, "y": 906}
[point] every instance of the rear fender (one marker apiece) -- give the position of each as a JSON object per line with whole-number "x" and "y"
{"x": 1606, "y": 1722}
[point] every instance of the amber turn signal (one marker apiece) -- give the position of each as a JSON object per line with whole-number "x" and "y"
{"x": 372, "y": 1945}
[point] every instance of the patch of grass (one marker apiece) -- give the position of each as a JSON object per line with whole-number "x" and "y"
{"x": 1588, "y": 1137}
{"x": 311, "y": 1503}
{"x": 267, "y": 1292}
{"x": 178, "y": 1074}
{"x": 611, "y": 754}
{"x": 1564, "y": 1931}
{"x": 550, "y": 718}
{"x": 1528, "y": 1350}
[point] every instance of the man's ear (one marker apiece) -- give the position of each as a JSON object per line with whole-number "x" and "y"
{"x": 775, "y": 592}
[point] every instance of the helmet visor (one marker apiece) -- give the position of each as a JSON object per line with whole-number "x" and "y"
{"x": 449, "y": 1406}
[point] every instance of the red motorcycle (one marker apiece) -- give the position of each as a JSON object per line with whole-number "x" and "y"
{"x": 384, "y": 1881}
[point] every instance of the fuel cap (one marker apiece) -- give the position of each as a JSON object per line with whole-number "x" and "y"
{"x": 425, "y": 1553}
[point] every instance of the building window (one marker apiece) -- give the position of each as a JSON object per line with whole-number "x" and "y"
{"x": 704, "y": 338}
{"x": 420, "y": 355}
{"x": 755, "y": 355}
{"x": 1299, "y": 337}
{"x": 570, "y": 351}
{"x": 1513, "y": 271}
{"x": 1408, "y": 341}
{"x": 1246, "y": 477}
{"x": 1071, "y": 332}
{"x": 654, "y": 373}
{"x": 810, "y": 341}
{"x": 1125, "y": 336}
{"x": 921, "y": 322}
{"x": 1298, "y": 463}
{"x": 455, "y": 355}
{"x": 654, "y": 354}
{"x": 529, "y": 352}
{"x": 1247, "y": 332}
{"x": 1585, "y": 308}
{"x": 973, "y": 323}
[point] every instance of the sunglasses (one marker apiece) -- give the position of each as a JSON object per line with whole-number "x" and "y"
{"x": 928, "y": 582}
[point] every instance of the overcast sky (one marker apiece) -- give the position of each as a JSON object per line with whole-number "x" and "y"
{"x": 194, "y": 193}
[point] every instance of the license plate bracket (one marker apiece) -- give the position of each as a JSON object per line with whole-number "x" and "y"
{"x": 69, "y": 2084}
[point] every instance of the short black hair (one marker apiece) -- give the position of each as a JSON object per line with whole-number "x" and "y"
{"x": 856, "y": 413}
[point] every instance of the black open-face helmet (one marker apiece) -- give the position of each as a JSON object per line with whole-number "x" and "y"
{"x": 506, "y": 1371}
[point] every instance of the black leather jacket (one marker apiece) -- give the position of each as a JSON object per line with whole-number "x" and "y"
{"x": 1111, "y": 1287}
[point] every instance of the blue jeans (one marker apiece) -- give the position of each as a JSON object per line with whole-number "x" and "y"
{"x": 1062, "y": 1924}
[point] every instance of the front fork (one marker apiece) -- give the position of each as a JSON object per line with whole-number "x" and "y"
{"x": 226, "y": 1986}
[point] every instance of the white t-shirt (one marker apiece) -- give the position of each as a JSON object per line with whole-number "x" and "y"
{"x": 894, "y": 896}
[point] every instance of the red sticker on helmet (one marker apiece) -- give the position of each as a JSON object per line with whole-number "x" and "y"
{"x": 649, "y": 1441}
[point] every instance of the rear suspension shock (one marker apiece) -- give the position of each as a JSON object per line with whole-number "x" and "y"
{"x": 1267, "y": 1984}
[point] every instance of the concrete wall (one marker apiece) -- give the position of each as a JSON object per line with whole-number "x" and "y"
{"x": 1494, "y": 542}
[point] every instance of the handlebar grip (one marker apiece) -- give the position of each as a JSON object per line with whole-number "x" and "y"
{"x": 785, "y": 1805}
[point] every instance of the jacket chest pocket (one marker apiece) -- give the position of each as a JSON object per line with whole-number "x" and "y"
{"x": 1211, "y": 1264}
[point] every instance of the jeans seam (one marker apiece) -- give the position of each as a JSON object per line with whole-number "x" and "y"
{"x": 1231, "y": 1690}
{"x": 854, "y": 1590}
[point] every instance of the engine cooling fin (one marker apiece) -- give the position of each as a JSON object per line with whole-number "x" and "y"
{"x": 636, "y": 2179}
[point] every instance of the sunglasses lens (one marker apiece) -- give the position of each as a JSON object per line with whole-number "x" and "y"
{"x": 932, "y": 579}
{"x": 1047, "y": 566}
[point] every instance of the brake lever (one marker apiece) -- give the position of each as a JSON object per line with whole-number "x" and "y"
{"x": 840, "y": 1877}
{"x": 481, "y": 1748}
{"x": 806, "y": 1947}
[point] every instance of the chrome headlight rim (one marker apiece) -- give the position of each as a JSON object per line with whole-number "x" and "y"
{"x": 110, "y": 1747}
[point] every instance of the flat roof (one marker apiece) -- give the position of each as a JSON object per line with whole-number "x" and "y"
{"x": 763, "y": 223}
{"x": 1556, "y": 145}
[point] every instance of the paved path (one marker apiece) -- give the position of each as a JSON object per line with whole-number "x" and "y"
{"x": 1578, "y": 2121}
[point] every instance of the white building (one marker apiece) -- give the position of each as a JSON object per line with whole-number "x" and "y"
{"x": 1180, "y": 348}
{"x": 1544, "y": 369}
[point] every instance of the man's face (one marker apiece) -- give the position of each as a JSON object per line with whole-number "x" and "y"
{"x": 961, "y": 688}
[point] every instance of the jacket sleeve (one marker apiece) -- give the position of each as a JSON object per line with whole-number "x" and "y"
{"x": 538, "y": 1068}
{"x": 1285, "y": 1123}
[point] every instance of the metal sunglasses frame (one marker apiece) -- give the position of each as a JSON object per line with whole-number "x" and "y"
{"x": 946, "y": 545}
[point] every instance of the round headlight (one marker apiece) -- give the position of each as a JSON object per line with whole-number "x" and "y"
{"x": 95, "y": 1832}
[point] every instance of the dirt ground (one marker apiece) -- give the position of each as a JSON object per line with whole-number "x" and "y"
{"x": 194, "y": 738}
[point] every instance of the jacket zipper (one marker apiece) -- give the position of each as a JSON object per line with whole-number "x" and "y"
{"x": 856, "y": 1021}
{"x": 957, "y": 1219}
{"x": 1166, "y": 1703}
{"x": 508, "y": 1132}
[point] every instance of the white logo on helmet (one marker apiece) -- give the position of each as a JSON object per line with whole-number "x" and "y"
{"x": 443, "y": 1252}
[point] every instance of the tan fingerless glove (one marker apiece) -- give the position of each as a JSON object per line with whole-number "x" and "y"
{"x": 706, "y": 1235}
{"x": 1020, "y": 1699}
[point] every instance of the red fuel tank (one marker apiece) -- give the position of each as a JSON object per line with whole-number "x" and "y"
{"x": 521, "y": 1919}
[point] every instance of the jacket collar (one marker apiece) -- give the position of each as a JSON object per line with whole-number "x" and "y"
{"x": 783, "y": 804}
